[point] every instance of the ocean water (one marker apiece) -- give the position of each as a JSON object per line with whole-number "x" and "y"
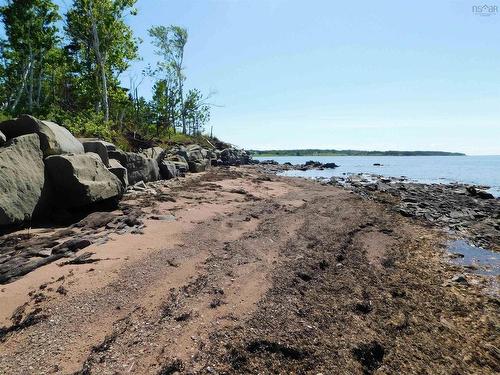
{"x": 478, "y": 170}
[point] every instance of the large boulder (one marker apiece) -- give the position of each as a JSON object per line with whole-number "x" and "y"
{"x": 168, "y": 170}
{"x": 179, "y": 162}
{"x": 23, "y": 187}
{"x": 156, "y": 153}
{"x": 82, "y": 180}
{"x": 178, "y": 150}
{"x": 198, "y": 166}
{"x": 3, "y": 139}
{"x": 109, "y": 146}
{"x": 195, "y": 153}
{"x": 54, "y": 139}
{"x": 233, "y": 156}
{"x": 119, "y": 171}
{"x": 99, "y": 148}
{"x": 139, "y": 167}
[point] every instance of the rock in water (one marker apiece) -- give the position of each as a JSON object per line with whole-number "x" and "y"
{"x": 3, "y": 139}
{"x": 54, "y": 139}
{"x": 139, "y": 167}
{"x": 82, "y": 179}
{"x": 22, "y": 180}
{"x": 330, "y": 165}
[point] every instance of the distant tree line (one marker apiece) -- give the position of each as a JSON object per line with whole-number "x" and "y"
{"x": 318, "y": 152}
{"x": 67, "y": 67}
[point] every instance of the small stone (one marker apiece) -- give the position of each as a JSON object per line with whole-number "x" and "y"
{"x": 459, "y": 279}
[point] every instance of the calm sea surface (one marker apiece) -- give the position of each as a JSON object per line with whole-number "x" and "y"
{"x": 478, "y": 170}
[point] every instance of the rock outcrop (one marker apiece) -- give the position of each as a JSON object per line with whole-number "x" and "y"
{"x": 82, "y": 179}
{"x": 23, "y": 187}
{"x": 54, "y": 139}
{"x": 45, "y": 170}
{"x": 139, "y": 167}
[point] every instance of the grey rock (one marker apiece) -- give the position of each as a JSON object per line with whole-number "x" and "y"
{"x": 156, "y": 153}
{"x": 119, "y": 171}
{"x": 180, "y": 163}
{"x": 24, "y": 190}
{"x": 197, "y": 166}
{"x": 54, "y": 139}
{"x": 195, "y": 153}
{"x": 163, "y": 217}
{"x": 168, "y": 169}
{"x": 109, "y": 146}
{"x": 82, "y": 180}
{"x": 233, "y": 156}
{"x": 459, "y": 279}
{"x": 330, "y": 165}
{"x": 140, "y": 185}
{"x": 139, "y": 167}
{"x": 99, "y": 148}
{"x": 71, "y": 246}
{"x": 177, "y": 150}
{"x": 479, "y": 193}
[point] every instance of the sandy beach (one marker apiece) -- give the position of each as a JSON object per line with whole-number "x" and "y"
{"x": 245, "y": 272}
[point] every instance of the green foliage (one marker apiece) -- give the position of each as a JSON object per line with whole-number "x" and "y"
{"x": 101, "y": 47}
{"x": 316, "y": 152}
{"x": 84, "y": 124}
{"x": 75, "y": 80}
{"x": 26, "y": 53}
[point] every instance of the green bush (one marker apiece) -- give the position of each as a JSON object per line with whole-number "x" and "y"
{"x": 84, "y": 124}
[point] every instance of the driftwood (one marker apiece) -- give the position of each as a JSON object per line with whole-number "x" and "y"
{"x": 138, "y": 142}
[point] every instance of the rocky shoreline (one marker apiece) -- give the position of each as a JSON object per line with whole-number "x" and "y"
{"x": 461, "y": 209}
{"x": 47, "y": 173}
{"x": 237, "y": 270}
{"x": 50, "y": 178}
{"x": 464, "y": 210}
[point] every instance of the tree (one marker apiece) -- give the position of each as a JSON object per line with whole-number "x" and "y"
{"x": 197, "y": 111}
{"x": 166, "y": 102}
{"x": 170, "y": 43}
{"x": 101, "y": 45}
{"x": 31, "y": 37}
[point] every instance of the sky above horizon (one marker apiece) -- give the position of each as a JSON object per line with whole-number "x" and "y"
{"x": 387, "y": 75}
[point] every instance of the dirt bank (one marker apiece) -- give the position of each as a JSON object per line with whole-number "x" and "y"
{"x": 242, "y": 272}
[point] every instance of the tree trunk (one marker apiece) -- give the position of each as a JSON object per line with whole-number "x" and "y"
{"x": 39, "y": 83}
{"x": 31, "y": 79}
{"x": 23, "y": 85}
{"x": 100, "y": 63}
{"x": 181, "y": 93}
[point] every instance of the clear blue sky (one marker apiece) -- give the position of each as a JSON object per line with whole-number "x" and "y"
{"x": 340, "y": 74}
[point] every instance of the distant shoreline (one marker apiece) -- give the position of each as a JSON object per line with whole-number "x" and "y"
{"x": 317, "y": 152}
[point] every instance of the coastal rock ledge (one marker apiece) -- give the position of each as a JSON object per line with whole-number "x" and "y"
{"x": 45, "y": 170}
